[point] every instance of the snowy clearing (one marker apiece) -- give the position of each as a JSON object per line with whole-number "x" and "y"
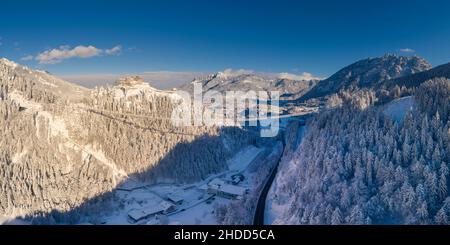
{"x": 243, "y": 158}
{"x": 398, "y": 108}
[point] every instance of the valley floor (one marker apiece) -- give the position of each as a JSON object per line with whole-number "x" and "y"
{"x": 186, "y": 204}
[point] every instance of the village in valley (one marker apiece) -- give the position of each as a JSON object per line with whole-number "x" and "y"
{"x": 140, "y": 203}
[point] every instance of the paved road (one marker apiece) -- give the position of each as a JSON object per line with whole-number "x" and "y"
{"x": 258, "y": 218}
{"x": 261, "y": 206}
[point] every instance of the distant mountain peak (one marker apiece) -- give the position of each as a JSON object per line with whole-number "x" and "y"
{"x": 290, "y": 86}
{"x": 369, "y": 72}
{"x": 305, "y": 76}
{"x": 229, "y": 73}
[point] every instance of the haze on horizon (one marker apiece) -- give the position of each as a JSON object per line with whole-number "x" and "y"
{"x": 94, "y": 43}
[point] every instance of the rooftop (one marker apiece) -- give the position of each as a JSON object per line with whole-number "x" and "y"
{"x": 175, "y": 197}
{"x": 233, "y": 189}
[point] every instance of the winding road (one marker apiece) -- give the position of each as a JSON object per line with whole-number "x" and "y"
{"x": 258, "y": 218}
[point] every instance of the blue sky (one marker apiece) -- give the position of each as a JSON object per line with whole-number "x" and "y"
{"x": 317, "y": 36}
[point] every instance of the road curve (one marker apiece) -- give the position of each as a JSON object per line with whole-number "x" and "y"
{"x": 258, "y": 218}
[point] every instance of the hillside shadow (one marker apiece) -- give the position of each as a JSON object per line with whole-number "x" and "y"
{"x": 181, "y": 165}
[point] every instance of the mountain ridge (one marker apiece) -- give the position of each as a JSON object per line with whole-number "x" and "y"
{"x": 368, "y": 72}
{"x": 416, "y": 79}
{"x": 243, "y": 80}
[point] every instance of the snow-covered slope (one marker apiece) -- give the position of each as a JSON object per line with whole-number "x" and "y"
{"x": 277, "y": 201}
{"x": 41, "y": 81}
{"x": 398, "y": 108}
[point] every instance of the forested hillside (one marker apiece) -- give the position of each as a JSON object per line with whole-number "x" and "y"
{"x": 63, "y": 144}
{"x": 357, "y": 165}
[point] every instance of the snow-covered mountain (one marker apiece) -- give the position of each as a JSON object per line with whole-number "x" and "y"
{"x": 290, "y": 86}
{"x": 369, "y": 72}
{"x": 63, "y": 144}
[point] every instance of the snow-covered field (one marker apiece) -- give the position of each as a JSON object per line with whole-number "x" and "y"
{"x": 242, "y": 159}
{"x": 200, "y": 214}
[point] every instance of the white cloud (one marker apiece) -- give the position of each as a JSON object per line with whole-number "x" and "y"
{"x": 407, "y": 50}
{"x": 304, "y": 76}
{"x": 64, "y": 52}
{"x": 27, "y": 58}
{"x": 234, "y": 73}
{"x": 113, "y": 51}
